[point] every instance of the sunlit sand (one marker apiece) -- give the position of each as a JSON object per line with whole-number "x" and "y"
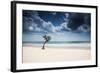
{"x": 33, "y": 54}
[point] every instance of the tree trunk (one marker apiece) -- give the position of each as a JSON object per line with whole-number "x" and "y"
{"x": 43, "y": 46}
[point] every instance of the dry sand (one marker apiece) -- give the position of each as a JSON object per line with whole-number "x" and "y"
{"x": 33, "y": 54}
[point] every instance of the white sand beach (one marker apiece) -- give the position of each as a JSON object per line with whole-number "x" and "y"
{"x": 34, "y": 54}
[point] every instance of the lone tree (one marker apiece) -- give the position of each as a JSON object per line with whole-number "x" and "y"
{"x": 47, "y": 39}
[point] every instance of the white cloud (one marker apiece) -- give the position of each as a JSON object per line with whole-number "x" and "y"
{"x": 43, "y": 25}
{"x": 54, "y": 13}
{"x": 65, "y": 26}
{"x": 38, "y": 29}
{"x": 31, "y": 28}
{"x": 84, "y": 28}
{"x": 57, "y": 28}
{"x": 35, "y": 23}
{"x": 67, "y": 15}
{"x": 48, "y": 26}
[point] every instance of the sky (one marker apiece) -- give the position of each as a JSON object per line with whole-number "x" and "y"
{"x": 70, "y": 24}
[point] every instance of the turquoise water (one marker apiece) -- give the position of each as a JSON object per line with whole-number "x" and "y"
{"x": 57, "y": 38}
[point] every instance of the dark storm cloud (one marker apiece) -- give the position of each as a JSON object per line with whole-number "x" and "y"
{"x": 79, "y": 21}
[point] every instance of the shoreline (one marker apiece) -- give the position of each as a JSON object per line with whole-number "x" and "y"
{"x": 79, "y": 45}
